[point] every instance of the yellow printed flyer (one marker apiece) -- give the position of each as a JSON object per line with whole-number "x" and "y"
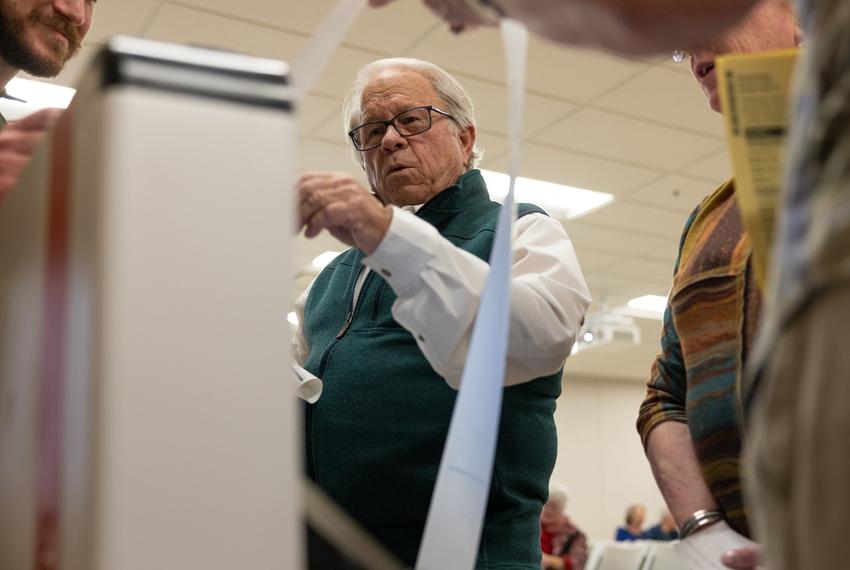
{"x": 755, "y": 96}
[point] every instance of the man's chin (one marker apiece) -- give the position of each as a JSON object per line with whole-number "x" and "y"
{"x": 714, "y": 101}
{"x": 41, "y": 65}
{"x": 47, "y": 55}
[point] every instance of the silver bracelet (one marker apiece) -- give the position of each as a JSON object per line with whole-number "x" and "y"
{"x": 699, "y": 520}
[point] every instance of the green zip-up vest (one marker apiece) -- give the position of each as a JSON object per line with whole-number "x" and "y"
{"x": 374, "y": 439}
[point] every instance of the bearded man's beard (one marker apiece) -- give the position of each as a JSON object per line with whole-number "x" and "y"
{"x": 17, "y": 52}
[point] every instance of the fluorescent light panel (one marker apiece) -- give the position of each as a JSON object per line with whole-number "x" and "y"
{"x": 653, "y": 303}
{"x": 561, "y": 201}
{"x": 645, "y": 307}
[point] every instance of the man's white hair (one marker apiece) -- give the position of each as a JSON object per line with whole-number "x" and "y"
{"x": 454, "y": 99}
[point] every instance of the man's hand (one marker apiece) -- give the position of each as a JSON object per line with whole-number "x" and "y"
{"x": 746, "y": 558}
{"x": 457, "y": 13}
{"x": 18, "y": 141}
{"x": 336, "y": 202}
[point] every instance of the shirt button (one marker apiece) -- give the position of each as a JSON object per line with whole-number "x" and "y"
{"x": 421, "y": 338}
{"x": 386, "y": 273}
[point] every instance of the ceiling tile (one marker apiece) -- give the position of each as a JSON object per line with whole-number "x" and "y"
{"x": 639, "y": 142}
{"x": 302, "y": 17}
{"x": 679, "y": 193}
{"x": 491, "y": 107}
{"x": 644, "y": 270}
{"x": 591, "y": 260}
{"x": 716, "y": 167}
{"x": 331, "y": 128}
{"x": 190, "y": 26}
{"x": 620, "y": 242}
{"x": 666, "y": 97}
{"x": 338, "y": 77}
{"x": 495, "y": 146}
{"x": 392, "y": 29}
{"x": 574, "y": 73}
{"x": 314, "y": 155}
{"x": 113, "y": 18}
{"x": 571, "y": 74}
{"x": 646, "y": 219}
{"x": 573, "y": 169}
{"x": 314, "y": 111}
{"x": 683, "y": 68}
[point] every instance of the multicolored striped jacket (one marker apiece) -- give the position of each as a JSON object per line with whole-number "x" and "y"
{"x": 707, "y": 332}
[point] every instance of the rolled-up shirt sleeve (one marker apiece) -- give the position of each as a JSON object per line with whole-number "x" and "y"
{"x": 667, "y": 387}
{"x": 439, "y": 288}
{"x": 666, "y": 390}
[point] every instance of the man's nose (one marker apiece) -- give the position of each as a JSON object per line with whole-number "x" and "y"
{"x": 392, "y": 139}
{"x": 73, "y": 10}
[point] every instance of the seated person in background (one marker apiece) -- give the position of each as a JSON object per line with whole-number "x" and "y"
{"x": 664, "y": 530}
{"x": 564, "y": 545}
{"x": 387, "y": 324}
{"x": 634, "y": 524}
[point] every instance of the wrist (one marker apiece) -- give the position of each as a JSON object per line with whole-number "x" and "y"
{"x": 487, "y": 10}
{"x": 379, "y": 230}
{"x": 698, "y": 521}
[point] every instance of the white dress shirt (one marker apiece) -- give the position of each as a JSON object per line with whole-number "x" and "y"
{"x": 439, "y": 288}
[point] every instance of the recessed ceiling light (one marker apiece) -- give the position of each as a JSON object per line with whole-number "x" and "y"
{"x": 560, "y": 201}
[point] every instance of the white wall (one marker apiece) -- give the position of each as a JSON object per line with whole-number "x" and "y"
{"x": 600, "y": 456}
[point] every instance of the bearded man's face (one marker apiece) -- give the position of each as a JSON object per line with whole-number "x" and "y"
{"x": 39, "y": 36}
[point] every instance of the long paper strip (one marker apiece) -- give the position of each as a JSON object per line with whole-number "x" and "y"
{"x": 456, "y": 516}
{"x": 316, "y": 54}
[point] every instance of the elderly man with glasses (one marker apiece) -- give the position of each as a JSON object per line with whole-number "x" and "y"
{"x": 387, "y": 324}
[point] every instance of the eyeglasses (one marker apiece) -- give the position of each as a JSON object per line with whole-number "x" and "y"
{"x": 408, "y": 123}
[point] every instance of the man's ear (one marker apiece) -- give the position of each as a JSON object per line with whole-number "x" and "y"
{"x": 467, "y": 140}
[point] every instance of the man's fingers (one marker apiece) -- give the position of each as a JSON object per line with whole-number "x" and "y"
{"x": 11, "y": 166}
{"x": 335, "y": 214}
{"x": 314, "y": 176}
{"x": 746, "y": 558}
{"x": 313, "y": 199}
{"x": 12, "y": 163}
{"x": 316, "y": 191}
{"x": 38, "y": 121}
{"x": 17, "y": 142}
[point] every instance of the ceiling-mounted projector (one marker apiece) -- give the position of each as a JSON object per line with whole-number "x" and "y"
{"x": 607, "y": 327}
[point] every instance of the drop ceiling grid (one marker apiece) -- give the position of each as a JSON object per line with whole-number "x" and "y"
{"x": 626, "y": 252}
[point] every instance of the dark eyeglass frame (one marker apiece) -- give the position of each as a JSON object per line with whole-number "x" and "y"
{"x": 391, "y": 123}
